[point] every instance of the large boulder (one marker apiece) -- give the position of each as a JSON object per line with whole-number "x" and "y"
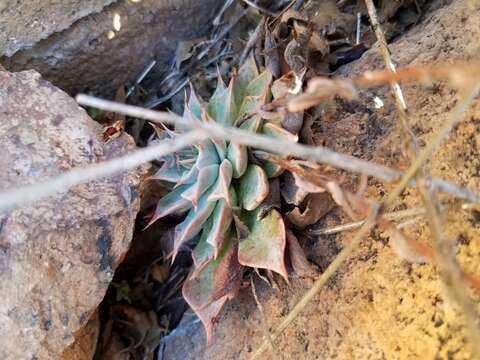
{"x": 24, "y": 23}
{"x": 58, "y": 255}
{"x": 94, "y": 54}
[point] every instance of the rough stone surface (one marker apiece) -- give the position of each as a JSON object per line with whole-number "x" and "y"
{"x": 85, "y": 344}
{"x": 58, "y": 255}
{"x": 23, "y": 23}
{"x": 83, "y": 58}
{"x": 377, "y": 306}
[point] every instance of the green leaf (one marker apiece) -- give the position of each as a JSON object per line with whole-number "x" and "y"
{"x": 252, "y": 124}
{"x": 207, "y": 155}
{"x": 222, "y": 107}
{"x": 221, "y": 146}
{"x": 273, "y": 170}
{"x": 193, "y": 223}
{"x": 206, "y": 178}
{"x": 256, "y": 94}
{"x": 238, "y": 157}
{"x": 220, "y": 189}
{"x": 170, "y": 172}
{"x": 264, "y": 247}
{"x": 247, "y": 72}
{"x": 221, "y": 221}
{"x": 194, "y": 104}
{"x": 253, "y": 187}
{"x": 172, "y": 203}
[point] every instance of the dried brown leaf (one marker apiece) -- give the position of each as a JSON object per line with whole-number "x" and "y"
{"x": 317, "y": 206}
{"x": 300, "y": 264}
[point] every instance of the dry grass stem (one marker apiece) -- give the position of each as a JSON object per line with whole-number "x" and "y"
{"x": 283, "y": 147}
{"x": 263, "y": 318}
{"x": 395, "y": 215}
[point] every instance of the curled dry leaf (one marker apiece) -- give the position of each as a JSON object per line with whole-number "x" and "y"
{"x": 317, "y": 206}
{"x": 299, "y": 261}
{"x": 291, "y": 191}
{"x": 319, "y": 89}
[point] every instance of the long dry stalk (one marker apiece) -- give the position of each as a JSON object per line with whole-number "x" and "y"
{"x": 312, "y": 153}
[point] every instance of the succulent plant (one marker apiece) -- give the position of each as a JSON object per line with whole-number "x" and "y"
{"x": 220, "y": 186}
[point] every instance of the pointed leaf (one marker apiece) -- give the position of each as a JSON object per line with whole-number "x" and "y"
{"x": 172, "y": 203}
{"x": 276, "y": 131}
{"x": 222, "y": 107}
{"x": 207, "y": 290}
{"x": 264, "y": 247}
{"x": 188, "y": 177}
{"x": 252, "y": 124}
{"x": 194, "y": 104}
{"x": 270, "y": 129}
{"x": 193, "y": 223}
{"x": 207, "y": 155}
{"x": 247, "y": 72}
{"x": 221, "y": 146}
{"x": 238, "y": 157}
{"x": 170, "y": 172}
{"x": 203, "y": 251}
{"x": 256, "y": 94}
{"x": 253, "y": 187}
{"x": 206, "y": 177}
{"x": 221, "y": 221}
{"x": 220, "y": 189}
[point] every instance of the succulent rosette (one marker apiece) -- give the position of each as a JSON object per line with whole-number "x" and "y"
{"x": 219, "y": 186}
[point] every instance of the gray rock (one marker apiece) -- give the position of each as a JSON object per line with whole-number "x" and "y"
{"x": 24, "y": 23}
{"x": 57, "y": 256}
{"x": 83, "y": 57}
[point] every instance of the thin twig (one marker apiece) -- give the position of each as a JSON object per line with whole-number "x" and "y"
{"x": 252, "y": 41}
{"x": 283, "y": 147}
{"x": 261, "y": 9}
{"x": 395, "y": 215}
{"x": 263, "y": 317}
{"x": 30, "y": 193}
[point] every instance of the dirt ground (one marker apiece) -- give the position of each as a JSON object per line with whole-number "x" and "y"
{"x": 377, "y": 306}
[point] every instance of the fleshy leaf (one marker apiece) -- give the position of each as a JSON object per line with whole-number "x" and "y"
{"x": 194, "y": 104}
{"x": 238, "y": 157}
{"x": 188, "y": 177}
{"x": 207, "y": 155}
{"x": 221, "y": 146}
{"x": 172, "y": 203}
{"x": 203, "y": 251}
{"x": 220, "y": 189}
{"x": 206, "y": 178}
{"x": 253, "y": 187}
{"x": 257, "y": 93}
{"x": 222, "y": 107}
{"x": 221, "y": 220}
{"x": 207, "y": 290}
{"x": 252, "y": 124}
{"x": 269, "y": 129}
{"x": 247, "y": 72}
{"x": 264, "y": 247}
{"x": 170, "y": 172}
{"x": 193, "y": 223}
